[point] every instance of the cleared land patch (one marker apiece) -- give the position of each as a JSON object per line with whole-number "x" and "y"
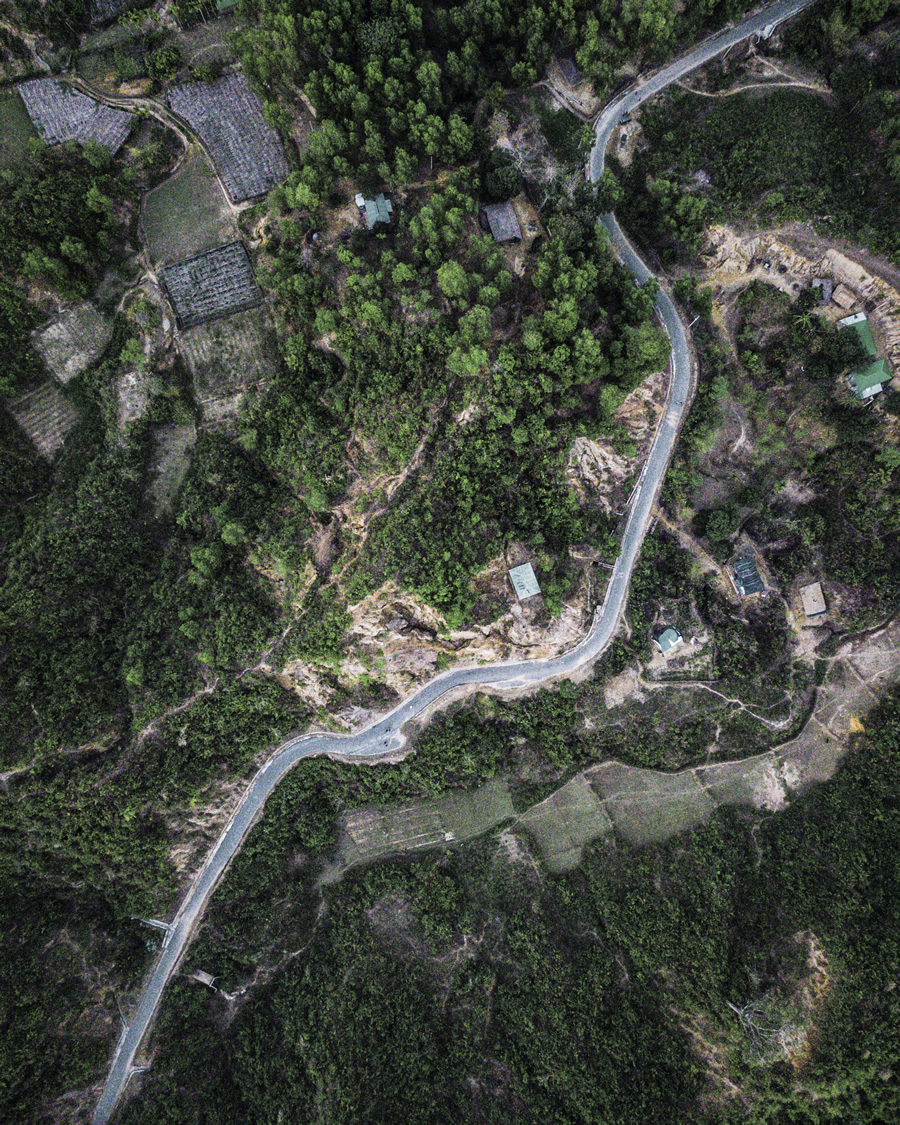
{"x": 171, "y": 458}
{"x": 646, "y": 805}
{"x": 373, "y": 833}
{"x": 188, "y": 213}
{"x": 15, "y": 129}
{"x": 566, "y": 821}
{"x": 228, "y": 115}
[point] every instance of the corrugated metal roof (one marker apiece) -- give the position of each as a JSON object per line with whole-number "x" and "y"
{"x": 813, "y": 599}
{"x": 377, "y": 210}
{"x": 863, "y": 330}
{"x": 503, "y": 222}
{"x": 746, "y": 576}
{"x": 867, "y": 381}
{"x": 524, "y": 581}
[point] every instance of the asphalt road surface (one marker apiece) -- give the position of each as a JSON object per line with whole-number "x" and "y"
{"x": 385, "y": 735}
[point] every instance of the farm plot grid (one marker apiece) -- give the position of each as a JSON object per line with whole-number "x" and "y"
{"x": 60, "y": 113}
{"x": 213, "y": 284}
{"x": 228, "y": 116}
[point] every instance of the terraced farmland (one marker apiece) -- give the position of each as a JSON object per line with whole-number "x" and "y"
{"x": 226, "y": 358}
{"x": 372, "y": 833}
{"x": 566, "y": 821}
{"x": 46, "y": 415}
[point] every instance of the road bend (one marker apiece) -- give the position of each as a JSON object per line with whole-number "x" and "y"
{"x": 385, "y": 736}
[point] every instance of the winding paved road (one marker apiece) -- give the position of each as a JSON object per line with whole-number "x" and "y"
{"x": 385, "y": 736}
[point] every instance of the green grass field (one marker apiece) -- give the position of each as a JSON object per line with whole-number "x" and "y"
{"x": 188, "y": 213}
{"x": 15, "y": 129}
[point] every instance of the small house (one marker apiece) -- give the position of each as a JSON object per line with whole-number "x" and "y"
{"x": 869, "y": 378}
{"x": 668, "y": 639}
{"x": 813, "y": 600}
{"x": 843, "y": 297}
{"x": 501, "y": 220}
{"x": 524, "y": 581}
{"x": 377, "y": 210}
{"x": 746, "y": 577}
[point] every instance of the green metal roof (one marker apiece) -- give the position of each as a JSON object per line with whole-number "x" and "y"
{"x": 668, "y": 639}
{"x": 864, "y": 332}
{"x": 224, "y": 5}
{"x": 378, "y": 210}
{"x": 864, "y": 380}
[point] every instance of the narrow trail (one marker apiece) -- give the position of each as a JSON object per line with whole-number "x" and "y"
{"x": 776, "y": 85}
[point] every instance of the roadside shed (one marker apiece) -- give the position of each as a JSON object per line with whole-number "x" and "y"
{"x": 813, "y": 600}
{"x": 746, "y": 577}
{"x": 501, "y": 220}
{"x": 524, "y": 581}
{"x": 60, "y": 114}
{"x": 668, "y": 639}
{"x": 826, "y": 286}
{"x": 217, "y": 283}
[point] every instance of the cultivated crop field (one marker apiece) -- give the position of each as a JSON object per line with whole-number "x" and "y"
{"x": 566, "y": 821}
{"x": 188, "y": 213}
{"x": 46, "y": 415}
{"x": 15, "y": 129}
{"x": 228, "y": 356}
{"x": 372, "y": 833}
{"x": 646, "y": 805}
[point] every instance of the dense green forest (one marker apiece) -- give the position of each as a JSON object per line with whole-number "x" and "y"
{"x": 642, "y": 986}
{"x": 57, "y": 226}
{"x": 778, "y": 155}
{"x": 394, "y": 82}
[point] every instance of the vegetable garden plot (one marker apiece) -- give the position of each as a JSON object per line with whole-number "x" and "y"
{"x": 60, "y": 113}
{"x": 211, "y": 285}
{"x": 227, "y": 357}
{"x": 646, "y": 806}
{"x": 373, "y": 833}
